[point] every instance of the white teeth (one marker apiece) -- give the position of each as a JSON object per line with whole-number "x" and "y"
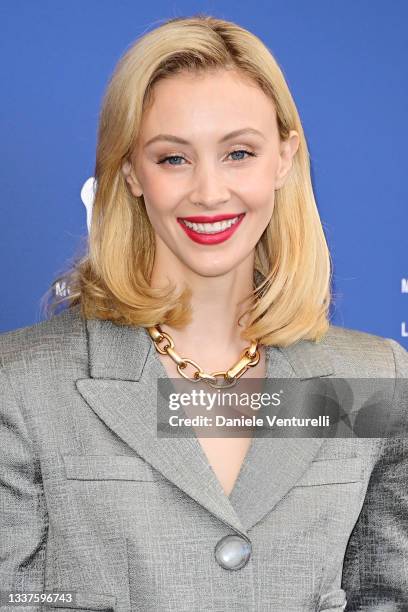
{"x": 210, "y": 228}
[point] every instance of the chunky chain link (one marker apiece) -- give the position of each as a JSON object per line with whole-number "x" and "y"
{"x": 248, "y": 359}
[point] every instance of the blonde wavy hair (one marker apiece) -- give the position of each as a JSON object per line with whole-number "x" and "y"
{"x": 291, "y": 291}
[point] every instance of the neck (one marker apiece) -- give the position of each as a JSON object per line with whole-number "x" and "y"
{"x": 213, "y": 335}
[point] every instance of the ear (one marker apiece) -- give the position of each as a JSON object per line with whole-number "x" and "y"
{"x": 288, "y": 149}
{"x": 131, "y": 179}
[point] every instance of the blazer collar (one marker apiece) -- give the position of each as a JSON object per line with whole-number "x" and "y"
{"x": 121, "y": 389}
{"x": 120, "y": 353}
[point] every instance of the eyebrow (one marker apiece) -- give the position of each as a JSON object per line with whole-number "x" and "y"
{"x": 177, "y": 139}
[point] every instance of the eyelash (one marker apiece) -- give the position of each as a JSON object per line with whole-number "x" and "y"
{"x": 250, "y": 153}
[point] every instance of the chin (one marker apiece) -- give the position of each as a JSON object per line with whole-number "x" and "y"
{"x": 212, "y": 271}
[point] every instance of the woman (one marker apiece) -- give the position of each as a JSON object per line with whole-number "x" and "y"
{"x": 206, "y": 261}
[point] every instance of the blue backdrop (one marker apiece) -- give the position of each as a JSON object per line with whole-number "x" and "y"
{"x": 345, "y": 63}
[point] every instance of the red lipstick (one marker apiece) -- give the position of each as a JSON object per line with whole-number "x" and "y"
{"x": 210, "y": 238}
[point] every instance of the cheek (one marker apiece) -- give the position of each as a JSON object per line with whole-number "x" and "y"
{"x": 157, "y": 201}
{"x": 259, "y": 196}
{"x": 257, "y": 186}
{"x": 156, "y": 212}
{"x": 160, "y": 196}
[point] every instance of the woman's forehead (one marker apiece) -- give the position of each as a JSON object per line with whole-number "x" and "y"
{"x": 217, "y": 101}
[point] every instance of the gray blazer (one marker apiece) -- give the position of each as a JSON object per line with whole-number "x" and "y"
{"x": 93, "y": 503}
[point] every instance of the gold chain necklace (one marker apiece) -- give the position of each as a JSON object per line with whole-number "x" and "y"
{"x": 248, "y": 359}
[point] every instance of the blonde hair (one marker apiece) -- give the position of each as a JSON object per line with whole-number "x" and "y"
{"x": 292, "y": 260}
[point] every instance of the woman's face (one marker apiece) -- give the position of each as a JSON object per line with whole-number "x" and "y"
{"x": 209, "y": 147}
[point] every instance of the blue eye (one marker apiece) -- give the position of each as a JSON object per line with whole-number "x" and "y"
{"x": 242, "y": 151}
{"x": 171, "y": 158}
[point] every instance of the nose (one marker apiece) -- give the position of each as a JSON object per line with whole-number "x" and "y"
{"x": 209, "y": 188}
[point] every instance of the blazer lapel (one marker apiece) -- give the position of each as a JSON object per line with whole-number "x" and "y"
{"x": 273, "y": 464}
{"x": 122, "y": 390}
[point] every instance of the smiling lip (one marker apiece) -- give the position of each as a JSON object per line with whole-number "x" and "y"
{"x": 214, "y": 238}
{"x": 202, "y": 219}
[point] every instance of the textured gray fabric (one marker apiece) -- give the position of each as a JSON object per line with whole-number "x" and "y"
{"x": 92, "y": 501}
